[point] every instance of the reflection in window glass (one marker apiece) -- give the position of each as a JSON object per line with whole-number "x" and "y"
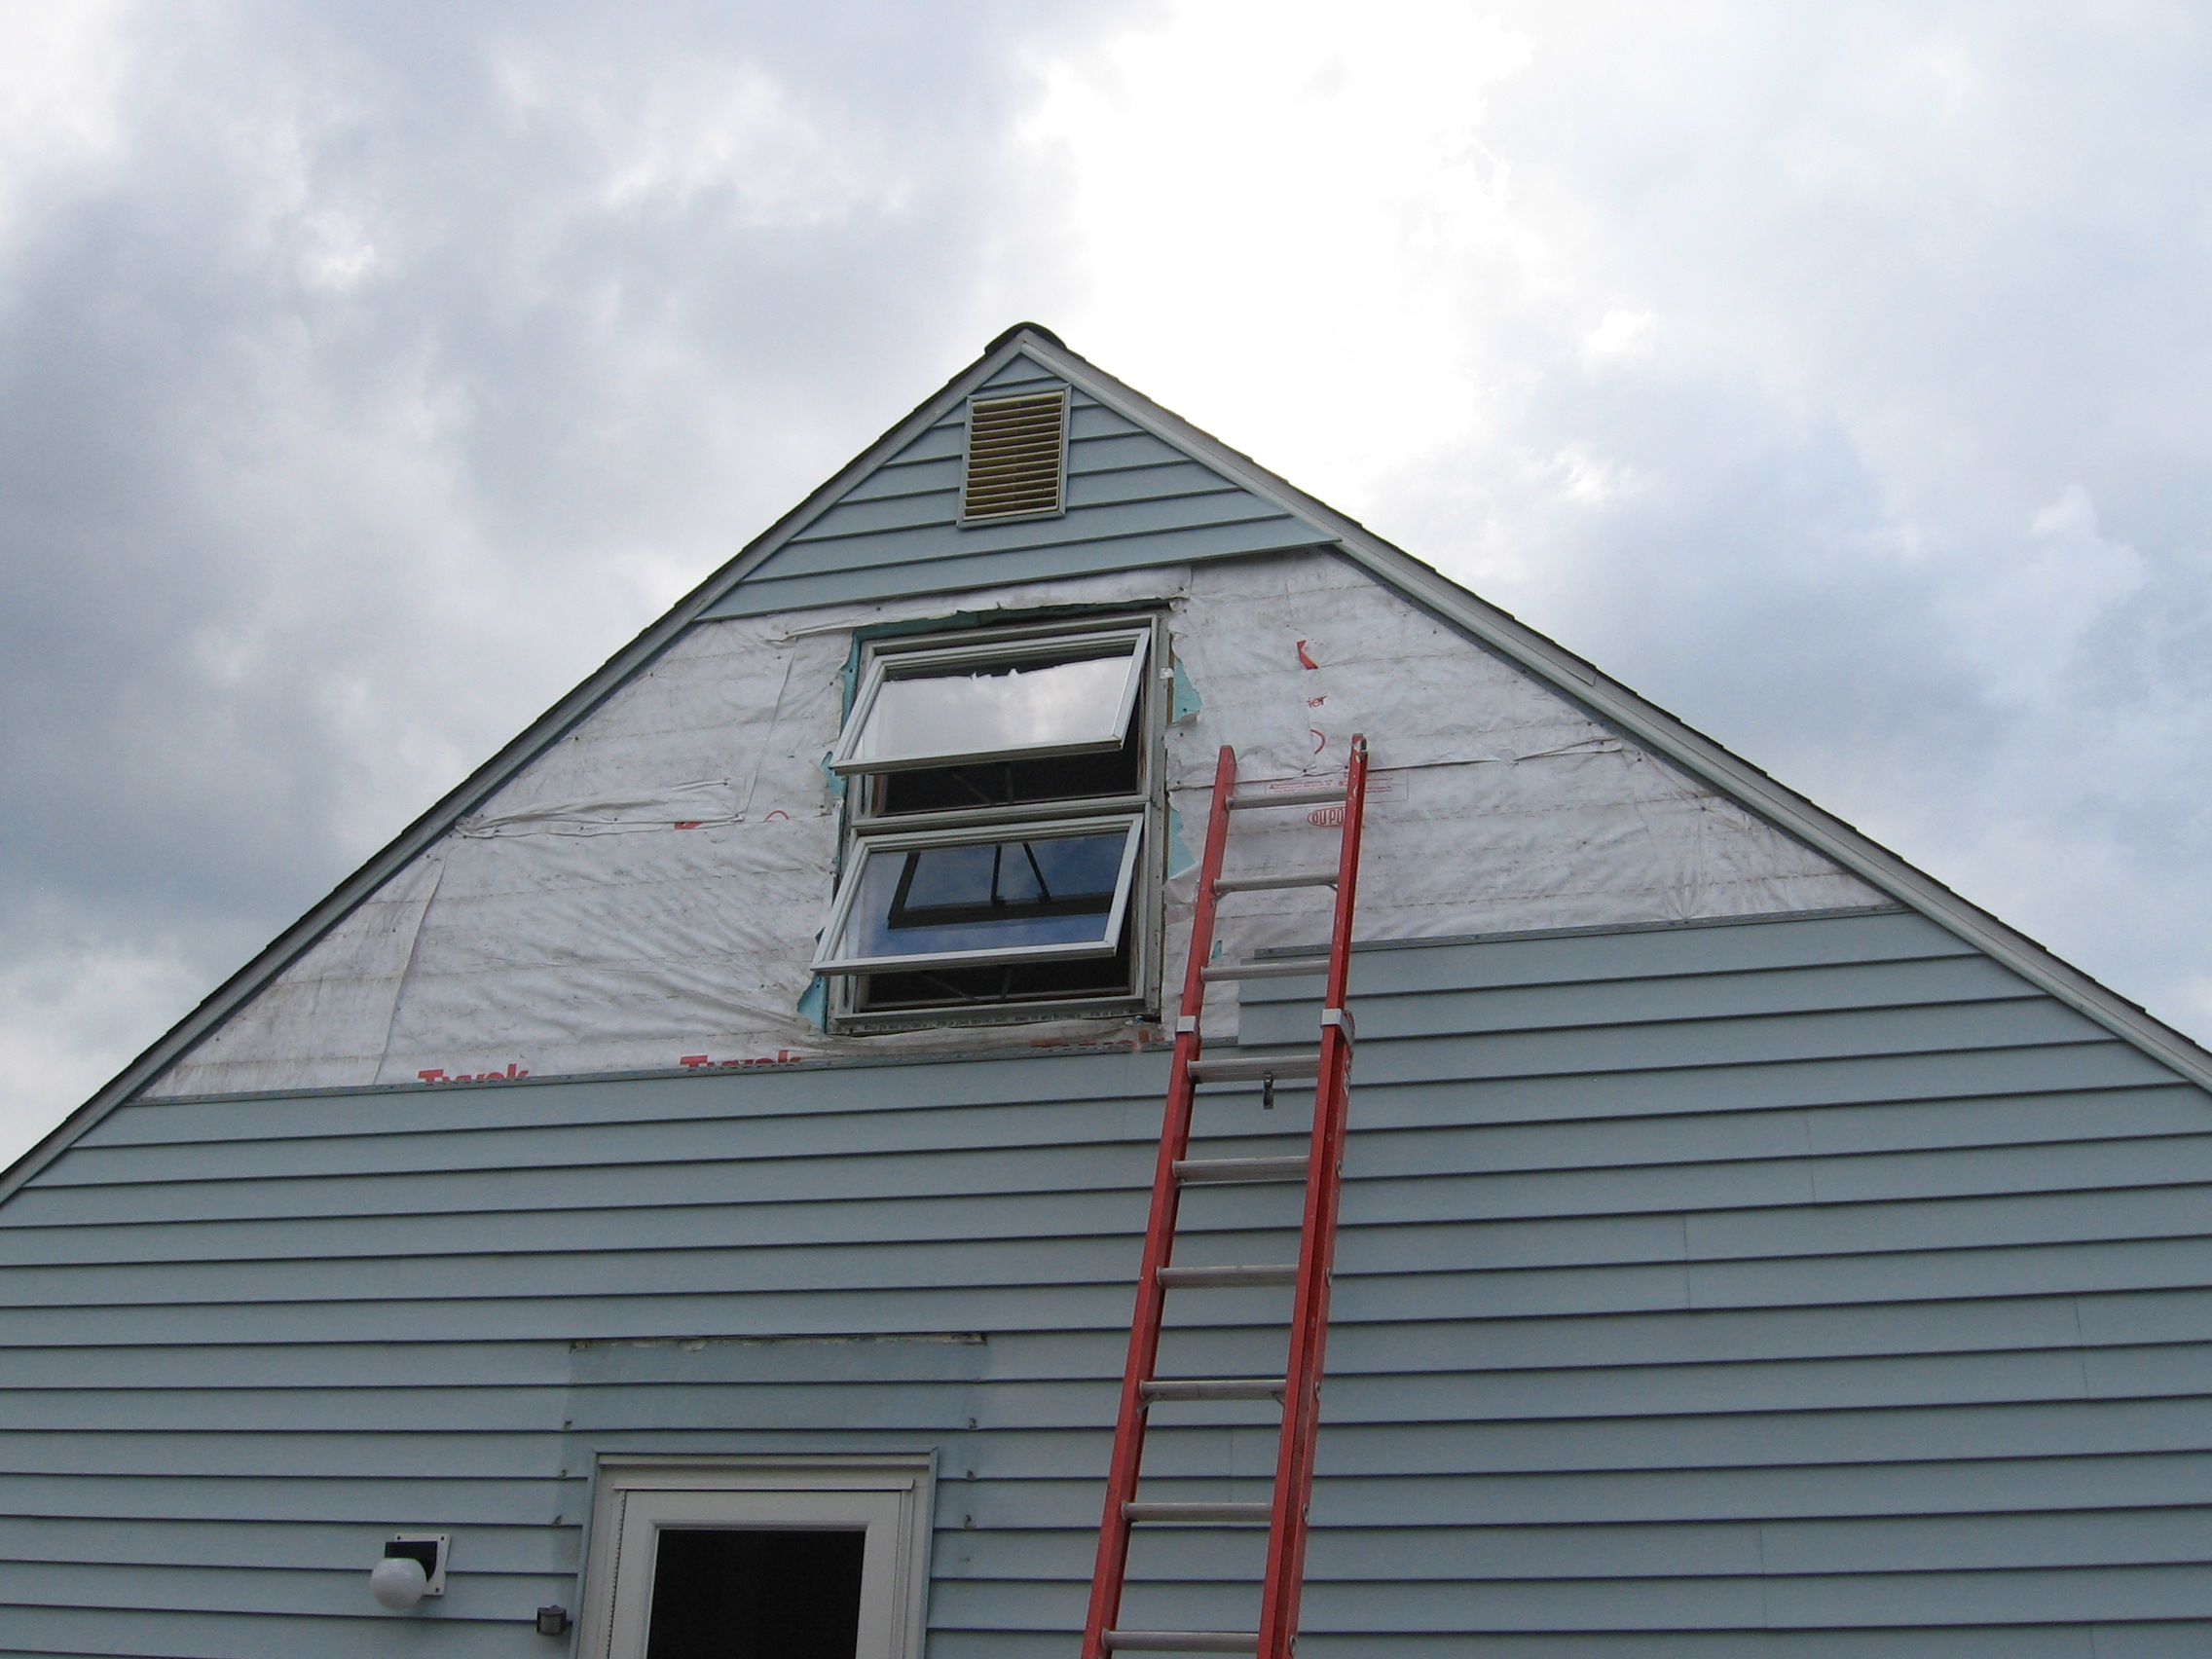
{"x": 997, "y": 709}
{"x": 987, "y": 896}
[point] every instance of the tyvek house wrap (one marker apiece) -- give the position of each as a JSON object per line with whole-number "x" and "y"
{"x": 646, "y": 893}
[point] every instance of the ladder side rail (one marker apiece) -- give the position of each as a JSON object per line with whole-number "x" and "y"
{"x": 1111, "y": 1569}
{"x": 1285, "y": 1579}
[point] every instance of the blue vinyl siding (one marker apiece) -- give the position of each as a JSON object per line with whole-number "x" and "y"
{"x": 1810, "y": 1286}
{"x": 1132, "y": 500}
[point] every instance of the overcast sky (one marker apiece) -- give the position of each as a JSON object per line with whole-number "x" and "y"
{"x": 1835, "y": 375}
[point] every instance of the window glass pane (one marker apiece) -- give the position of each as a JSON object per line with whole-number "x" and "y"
{"x": 996, "y": 709}
{"x": 987, "y": 896}
{"x": 743, "y": 1594}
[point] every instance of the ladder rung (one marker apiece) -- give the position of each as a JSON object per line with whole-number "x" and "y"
{"x": 1209, "y": 1278}
{"x": 1180, "y": 1641}
{"x": 1170, "y": 1514}
{"x": 1214, "y": 1389}
{"x": 1201, "y": 1171}
{"x": 1288, "y": 969}
{"x": 1285, "y": 798}
{"x": 1269, "y": 883}
{"x": 1251, "y": 1068}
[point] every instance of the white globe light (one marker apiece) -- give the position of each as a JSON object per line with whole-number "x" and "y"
{"x": 398, "y": 1582}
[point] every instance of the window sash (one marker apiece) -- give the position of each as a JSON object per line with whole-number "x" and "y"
{"x": 846, "y": 762}
{"x": 828, "y": 957}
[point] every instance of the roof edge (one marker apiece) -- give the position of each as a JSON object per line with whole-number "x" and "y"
{"x": 1423, "y": 584}
{"x": 1579, "y": 681}
{"x": 1020, "y": 328}
{"x": 510, "y": 758}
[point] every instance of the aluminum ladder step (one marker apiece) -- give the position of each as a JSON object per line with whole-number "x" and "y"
{"x": 1286, "y": 797}
{"x": 1270, "y": 883}
{"x": 1213, "y": 1388}
{"x": 1199, "y": 1514}
{"x": 1254, "y": 1068}
{"x": 1214, "y": 1279}
{"x": 1205, "y": 1171}
{"x": 1181, "y": 1641}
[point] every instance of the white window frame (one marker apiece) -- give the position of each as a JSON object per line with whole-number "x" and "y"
{"x": 951, "y": 659}
{"x": 865, "y": 825}
{"x": 827, "y": 961}
{"x": 889, "y": 1497}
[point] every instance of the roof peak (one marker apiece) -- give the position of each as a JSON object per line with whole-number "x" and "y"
{"x": 1037, "y": 328}
{"x": 1546, "y": 661}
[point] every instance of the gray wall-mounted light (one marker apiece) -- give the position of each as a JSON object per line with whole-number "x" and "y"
{"x": 414, "y": 1566}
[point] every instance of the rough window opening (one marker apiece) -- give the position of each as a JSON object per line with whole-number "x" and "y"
{"x": 1017, "y": 456}
{"x": 1000, "y": 846}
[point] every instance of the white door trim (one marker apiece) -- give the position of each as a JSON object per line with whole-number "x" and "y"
{"x": 888, "y": 1497}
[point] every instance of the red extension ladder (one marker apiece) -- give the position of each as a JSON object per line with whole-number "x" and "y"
{"x": 1299, "y": 1388}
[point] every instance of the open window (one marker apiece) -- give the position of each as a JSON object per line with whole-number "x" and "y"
{"x": 1013, "y": 703}
{"x": 1002, "y": 824}
{"x": 1036, "y": 892}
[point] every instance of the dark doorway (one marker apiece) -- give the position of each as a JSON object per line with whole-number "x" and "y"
{"x": 742, "y": 1593}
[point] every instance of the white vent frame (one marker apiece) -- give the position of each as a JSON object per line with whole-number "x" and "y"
{"x": 968, "y": 516}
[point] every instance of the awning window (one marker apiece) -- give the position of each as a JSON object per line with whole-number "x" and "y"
{"x": 1053, "y": 892}
{"x": 1022, "y": 700}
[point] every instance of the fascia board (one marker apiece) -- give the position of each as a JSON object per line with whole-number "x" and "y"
{"x": 419, "y": 836}
{"x": 1658, "y": 730}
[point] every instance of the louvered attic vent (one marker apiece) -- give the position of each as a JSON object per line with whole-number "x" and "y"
{"x": 1016, "y": 446}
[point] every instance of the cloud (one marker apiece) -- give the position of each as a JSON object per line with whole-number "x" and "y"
{"x": 368, "y": 371}
{"x": 1285, "y": 230}
{"x": 1834, "y": 377}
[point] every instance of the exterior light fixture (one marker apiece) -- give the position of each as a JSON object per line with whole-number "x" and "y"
{"x": 552, "y": 1621}
{"x": 414, "y": 1566}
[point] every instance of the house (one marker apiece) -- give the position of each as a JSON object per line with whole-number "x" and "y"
{"x": 691, "y": 1181}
